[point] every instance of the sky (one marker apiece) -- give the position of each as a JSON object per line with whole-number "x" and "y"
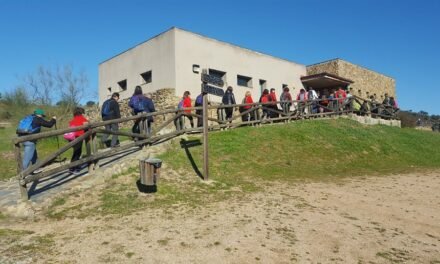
{"x": 400, "y": 39}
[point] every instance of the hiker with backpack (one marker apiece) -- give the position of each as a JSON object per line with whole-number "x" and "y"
{"x": 32, "y": 124}
{"x": 286, "y": 100}
{"x": 141, "y": 104}
{"x": 229, "y": 99}
{"x": 199, "y": 103}
{"x": 110, "y": 110}
{"x": 78, "y": 120}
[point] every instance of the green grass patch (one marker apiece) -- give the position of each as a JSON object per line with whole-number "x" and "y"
{"x": 315, "y": 149}
{"x": 249, "y": 159}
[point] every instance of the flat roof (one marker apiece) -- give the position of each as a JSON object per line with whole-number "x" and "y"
{"x": 324, "y": 80}
{"x": 224, "y": 42}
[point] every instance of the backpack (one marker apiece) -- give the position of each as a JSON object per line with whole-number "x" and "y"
{"x": 25, "y": 125}
{"x": 180, "y": 105}
{"x": 105, "y": 110}
{"x": 139, "y": 104}
{"x": 199, "y": 100}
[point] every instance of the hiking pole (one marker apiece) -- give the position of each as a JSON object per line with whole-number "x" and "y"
{"x": 57, "y": 158}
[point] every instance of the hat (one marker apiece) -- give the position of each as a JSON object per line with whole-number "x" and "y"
{"x": 39, "y": 112}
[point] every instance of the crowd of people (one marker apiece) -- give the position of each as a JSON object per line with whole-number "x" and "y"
{"x": 308, "y": 101}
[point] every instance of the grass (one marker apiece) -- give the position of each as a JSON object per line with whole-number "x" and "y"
{"x": 321, "y": 149}
{"x": 19, "y": 244}
{"x": 249, "y": 159}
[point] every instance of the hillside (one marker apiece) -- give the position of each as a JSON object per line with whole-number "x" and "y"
{"x": 279, "y": 194}
{"x": 313, "y": 149}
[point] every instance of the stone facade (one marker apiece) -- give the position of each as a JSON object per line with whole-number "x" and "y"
{"x": 163, "y": 99}
{"x": 366, "y": 82}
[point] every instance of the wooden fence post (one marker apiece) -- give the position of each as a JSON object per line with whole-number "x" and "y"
{"x": 23, "y": 190}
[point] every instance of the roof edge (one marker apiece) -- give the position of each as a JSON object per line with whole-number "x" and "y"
{"x": 139, "y": 44}
{"x": 360, "y": 66}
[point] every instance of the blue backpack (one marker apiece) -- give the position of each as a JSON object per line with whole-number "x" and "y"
{"x": 105, "y": 110}
{"x": 25, "y": 126}
{"x": 180, "y": 105}
{"x": 199, "y": 100}
{"x": 139, "y": 104}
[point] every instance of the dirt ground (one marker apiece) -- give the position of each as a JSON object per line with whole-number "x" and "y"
{"x": 389, "y": 219}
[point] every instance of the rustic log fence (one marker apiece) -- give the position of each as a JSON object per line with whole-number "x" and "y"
{"x": 254, "y": 114}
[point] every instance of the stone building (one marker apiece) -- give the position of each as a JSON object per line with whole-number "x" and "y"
{"x": 176, "y": 58}
{"x": 364, "y": 82}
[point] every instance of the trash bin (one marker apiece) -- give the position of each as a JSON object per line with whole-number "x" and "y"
{"x": 150, "y": 172}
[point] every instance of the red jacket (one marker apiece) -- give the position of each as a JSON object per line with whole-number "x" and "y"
{"x": 187, "y": 103}
{"x": 273, "y": 97}
{"x": 248, "y": 100}
{"x": 78, "y": 120}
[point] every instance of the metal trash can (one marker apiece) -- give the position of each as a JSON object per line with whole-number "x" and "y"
{"x": 150, "y": 172}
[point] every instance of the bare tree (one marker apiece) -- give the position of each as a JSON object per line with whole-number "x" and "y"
{"x": 60, "y": 83}
{"x": 41, "y": 85}
{"x": 71, "y": 85}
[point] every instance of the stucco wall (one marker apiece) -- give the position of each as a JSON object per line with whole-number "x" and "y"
{"x": 156, "y": 54}
{"x": 209, "y": 53}
{"x": 366, "y": 82}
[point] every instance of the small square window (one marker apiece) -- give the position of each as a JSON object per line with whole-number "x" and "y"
{"x": 147, "y": 76}
{"x": 123, "y": 85}
{"x": 244, "y": 81}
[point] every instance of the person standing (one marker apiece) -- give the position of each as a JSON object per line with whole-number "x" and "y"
{"x": 187, "y": 104}
{"x": 110, "y": 110}
{"x": 199, "y": 112}
{"x": 248, "y": 100}
{"x": 141, "y": 104}
{"x": 286, "y": 100}
{"x": 273, "y": 100}
{"x": 301, "y": 98}
{"x": 264, "y": 99}
{"x": 229, "y": 99}
{"x": 32, "y": 125}
{"x": 78, "y": 120}
{"x": 312, "y": 96}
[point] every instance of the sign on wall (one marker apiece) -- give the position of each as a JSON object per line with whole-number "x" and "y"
{"x": 212, "y": 89}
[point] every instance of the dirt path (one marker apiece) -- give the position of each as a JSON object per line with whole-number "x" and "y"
{"x": 393, "y": 219}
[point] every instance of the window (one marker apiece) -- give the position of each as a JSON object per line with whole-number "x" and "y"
{"x": 244, "y": 81}
{"x": 218, "y": 74}
{"x": 262, "y": 85}
{"x": 123, "y": 85}
{"x": 146, "y": 76}
{"x": 109, "y": 89}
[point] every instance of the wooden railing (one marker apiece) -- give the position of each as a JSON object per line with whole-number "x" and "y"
{"x": 257, "y": 114}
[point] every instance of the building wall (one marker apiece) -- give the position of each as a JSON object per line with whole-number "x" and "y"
{"x": 212, "y": 54}
{"x": 366, "y": 82}
{"x": 156, "y": 54}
